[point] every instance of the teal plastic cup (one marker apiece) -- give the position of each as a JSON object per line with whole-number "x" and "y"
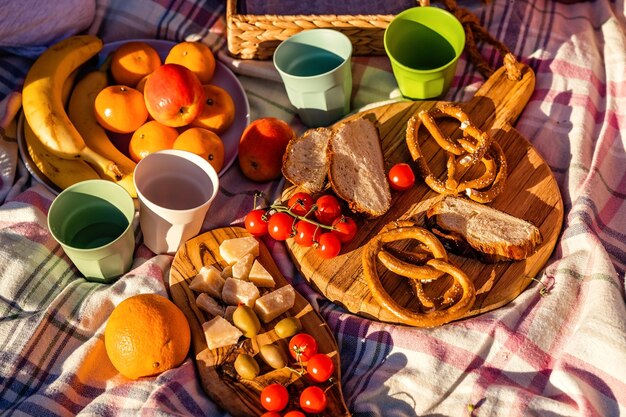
{"x": 424, "y": 45}
{"x": 93, "y": 222}
{"x": 315, "y": 66}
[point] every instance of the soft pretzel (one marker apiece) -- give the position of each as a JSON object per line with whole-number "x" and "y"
{"x": 439, "y": 264}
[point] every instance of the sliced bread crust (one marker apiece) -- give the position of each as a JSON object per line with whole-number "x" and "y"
{"x": 305, "y": 162}
{"x": 495, "y": 235}
{"x": 357, "y": 170}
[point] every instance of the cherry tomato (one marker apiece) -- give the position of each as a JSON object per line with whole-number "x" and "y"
{"x": 345, "y": 228}
{"x": 300, "y": 203}
{"x": 328, "y": 246}
{"x": 328, "y": 209}
{"x": 274, "y": 397}
{"x": 320, "y": 367}
{"x": 294, "y": 413}
{"x": 313, "y": 400}
{"x": 307, "y": 233}
{"x": 280, "y": 226}
{"x": 271, "y": 414}
{"x": 256, "y": 223}
{"x": 401, "y": 177}
{"x": 302, "y": 346}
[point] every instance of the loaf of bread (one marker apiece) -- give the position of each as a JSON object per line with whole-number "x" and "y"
{"x": 357, "y": 169}
{"x": 305, "y": 162}
{"x": 471, "y": 229}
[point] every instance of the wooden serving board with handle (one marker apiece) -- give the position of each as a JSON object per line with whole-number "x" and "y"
{"x": 531, "y": 193}
{"x": 220, "y": 381}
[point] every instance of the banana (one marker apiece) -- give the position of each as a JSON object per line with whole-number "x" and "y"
{"x": 82, "y": 116}
{"x": 42, "y": 102}
{"x": 62, "y": 172}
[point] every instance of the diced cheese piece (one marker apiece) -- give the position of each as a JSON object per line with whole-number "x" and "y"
{"x": 227, "y": 272}
{"x": 260, "y": 277}
{"x": 209, "y": 304}
{"x": 228, "y": 314}
{"x": 209, "y": 281}
{"x": 275, "y": 303}
{"x": 218, "y": 332}
{"x": 231, "y": 250}
{"x": 241, "y": 268}
{"x": 237, "y": 292}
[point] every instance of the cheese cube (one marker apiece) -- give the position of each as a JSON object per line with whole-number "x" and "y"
{"x": 231, "y": 250}
{"x": 228, "y": 313}
{"x": 227, "y": 272}
{"x": 209, "y": 304}
{"x": 219, "y": 333}
{"x": 237, "y": 292}
{"x": 260, "y": 277}
{"x": 275, "y": 303}
{"x": 241, "y": 268}
{"x": 209, "y": 281}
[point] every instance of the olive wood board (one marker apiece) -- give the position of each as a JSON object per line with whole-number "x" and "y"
{"x": 238, "y": 396}
{"x": 531, "y": 193}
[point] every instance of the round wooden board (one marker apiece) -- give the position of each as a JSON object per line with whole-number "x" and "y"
{"x": 237, "y": 396}
{"x": 531, "y": 193}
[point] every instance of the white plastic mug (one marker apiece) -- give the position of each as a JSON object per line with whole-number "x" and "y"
{"x": 175, "y": 190}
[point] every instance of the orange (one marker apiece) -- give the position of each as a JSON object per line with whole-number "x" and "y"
{"x": 202, "y": 142}
{"x": 120, "y": 109}
{"x": 142, "y": 84}
{"x": 132, "y": 61}
{"x": 151, "y": 137}
{"x": 145, "y": 335}
{"x": 218, "y": 111}
{"x": 196, "y": 56}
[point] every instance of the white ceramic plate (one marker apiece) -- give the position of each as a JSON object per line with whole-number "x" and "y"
{"x": 223, "y": 77}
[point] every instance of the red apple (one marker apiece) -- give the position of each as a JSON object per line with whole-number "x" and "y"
{"x": 173, "y": 94}
{"x": 261, "y": 148}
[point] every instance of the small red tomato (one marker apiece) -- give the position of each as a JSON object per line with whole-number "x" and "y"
{"x": 302, "y": 346}
{"x": 274, "y": 397}
{"x": 300, "y": 203}
{"x": 401, "y": 177}
{"x": 256, "y": 222}
{"x": 328, "y": 209}
{"x": 344, "y": 228}
{"x": 328, "y": 245}
{"x": 280, "y": 226}
{"x": 313, "y": 400}
{"x": 320, "y": 367}
{"x": 307, "y": 233}
{"x": 271, "y": 414}
{"x": 294, "y": 413}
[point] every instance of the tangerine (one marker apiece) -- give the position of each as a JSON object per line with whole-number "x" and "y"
{"x": 196, "y": 56}
{"x": 151, "y": 137}
{"x": 145, "y": 335}
{"x": 132, "y": 61}
{"x": 204, "y": 143}
{"x": 120, "y": 108}
{"x": 218, "y": 112}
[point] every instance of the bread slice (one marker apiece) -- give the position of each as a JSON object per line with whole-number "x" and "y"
{"x": 357, "y": 169}
{"x": 305, "y": 162}
{"x": 491, "y": 234}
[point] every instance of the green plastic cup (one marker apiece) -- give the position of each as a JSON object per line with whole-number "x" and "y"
{"x": 424, "y": 45}
{"x": 93, "y": 222}
{"x": 315, "y": 66}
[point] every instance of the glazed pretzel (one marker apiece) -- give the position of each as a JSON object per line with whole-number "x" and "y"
{"x": 437, "y": 266}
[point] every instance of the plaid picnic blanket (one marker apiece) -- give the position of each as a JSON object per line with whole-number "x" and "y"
{"x": 559, "y": 355}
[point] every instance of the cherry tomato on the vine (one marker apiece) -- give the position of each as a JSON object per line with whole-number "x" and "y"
{"x": 307, "y": 233}
{"x": 300, "y": 203}
{"x": 328, "y": 209}
{"x": 256, "y": 223}
{"x": 344, "y": 228}
{"x": 302, "y": 346}
{"x": 320, "y": 367}
{"x": 294, "y": 413}
{"x": 280, "y": 226}
{"x": 401, "y": 177}
{"x": 313, "y": 399}
{"x": 328, "y": 245}
{"x": 274, "y": 397}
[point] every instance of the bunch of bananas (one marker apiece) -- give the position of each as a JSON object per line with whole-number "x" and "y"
{"x": 70, "y": 146}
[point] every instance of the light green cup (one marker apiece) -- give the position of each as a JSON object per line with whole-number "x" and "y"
{"x": 424, "y": 45}
{"x": 315, "y": 66}
{"x": 93, "y": 222}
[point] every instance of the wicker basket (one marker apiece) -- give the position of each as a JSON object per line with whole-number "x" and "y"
{"x": 257, "y": 36}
